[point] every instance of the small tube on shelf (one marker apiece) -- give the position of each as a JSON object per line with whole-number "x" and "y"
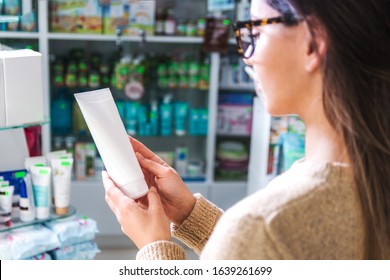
{"x": 41, "y": 180}
{"x": 62, "y": 173}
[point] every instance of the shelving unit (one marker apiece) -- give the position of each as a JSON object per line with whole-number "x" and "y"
{"x": 92, "y": 190}
{"x": 45, "y": 122}
{"x": 15, "y": 224}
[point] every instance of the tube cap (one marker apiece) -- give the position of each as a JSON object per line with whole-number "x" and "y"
{"x": 135, "y": 189}
{"x": 27, "y": 216}
{"x": 62, "y": 211}
{"x": 42, "y": 212}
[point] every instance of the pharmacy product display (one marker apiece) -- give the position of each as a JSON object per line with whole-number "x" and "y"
{"x": 232, "y": 161}
{"x": 25, "y": 13}
{"x": 67, "y": 239}
{"x": 130, "y": 17}
{"x": 234, "y": 120}
{"x": 36, "y": 222}
{"x": 154, "y": 95}
{"x": 287, "y": 143}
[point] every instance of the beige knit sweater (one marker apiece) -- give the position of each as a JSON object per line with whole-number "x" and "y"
{"x": 309, "y": 212}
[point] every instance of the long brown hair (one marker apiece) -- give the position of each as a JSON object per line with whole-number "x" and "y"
{"x": 356, "y": 98}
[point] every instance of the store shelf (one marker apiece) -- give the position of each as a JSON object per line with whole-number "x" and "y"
{"x": 236, "y": 184}
{"x": 239, "y": 136}
{"x": 44, "y": 122}
{"x": 238, "y": 88}
{"x": 5, "y": 18}
{"x": 18, "y": 35}
{"x": 19, "y": 224}
{"x": 102, "y": 37}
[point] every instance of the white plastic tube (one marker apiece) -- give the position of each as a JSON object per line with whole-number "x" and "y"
{"x": 41, "y": 179}
{"x": 26, "y": 202}
{"x": 62, "y": 171}
{"x": 6, "y": 194}
{"x": 34, "y": 161}
{"x": 103, "y": 120}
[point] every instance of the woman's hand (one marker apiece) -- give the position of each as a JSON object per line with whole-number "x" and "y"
{"x": 176, "y": 198}
{"x": 142, "y": 224}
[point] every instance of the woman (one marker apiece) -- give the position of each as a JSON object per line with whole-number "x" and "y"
{"x": 328, "y": 62}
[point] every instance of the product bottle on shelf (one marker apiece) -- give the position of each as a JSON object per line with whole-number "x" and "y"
{"x": 160, "y": 22}
{"x": 61, "y": 108}
{"x": 166, "y": 116}
{"x": 170, "y": 23}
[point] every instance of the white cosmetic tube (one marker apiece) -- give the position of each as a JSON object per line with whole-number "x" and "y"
{"x": 56, "y": 154}
{"x": 26, "y": 202}
{"x": 4, "y": 183}
{"x": 108, "y": 132}
{"x": 34, "y": 161}
{"x": 49, "y": 156}
{"x": 62, "y": 172}
{"x": 41, "y": 179}
{"x": 6, "y": 194}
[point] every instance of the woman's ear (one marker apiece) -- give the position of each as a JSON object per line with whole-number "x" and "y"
{"x": 316, "y": 48}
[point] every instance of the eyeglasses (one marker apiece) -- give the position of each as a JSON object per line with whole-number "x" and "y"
{"x": 246, "y": 40}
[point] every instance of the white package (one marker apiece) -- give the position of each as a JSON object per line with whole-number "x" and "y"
{"x": 21, "y": 87}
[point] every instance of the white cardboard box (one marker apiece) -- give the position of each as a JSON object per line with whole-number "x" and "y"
{"x": 13, "y": 149}
{"x": 21, "y": 87}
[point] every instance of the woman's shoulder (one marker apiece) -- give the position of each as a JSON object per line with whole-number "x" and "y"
{"x": 308, "y": 212}
{"x": 304, "y": 183}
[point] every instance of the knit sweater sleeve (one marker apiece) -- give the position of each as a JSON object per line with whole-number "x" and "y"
{"x": 194, "y": 232}
{"x": 161, "y": 250}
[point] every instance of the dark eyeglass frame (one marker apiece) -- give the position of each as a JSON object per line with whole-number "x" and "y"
{"x": 249, "y": 24}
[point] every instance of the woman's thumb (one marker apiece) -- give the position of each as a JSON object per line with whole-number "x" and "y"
{"x": 154, "y": 200}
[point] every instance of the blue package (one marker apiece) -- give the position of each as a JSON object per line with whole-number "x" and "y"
{"x": 153, "y": 117}
{"x": 61, "y": 115}
{"x": 181, "y": 115}
{"x": 40, "y": 257}
{"x": 72, "y": 230}
{"x": 81, "y": 251}
{"x": 204, "y": 121}
{"x": 30, "y": 241}
{"x": 131, "y": 117}
{"x": 142, "y": 118}
{"x": 232, "y": 98}
{"x": 166, "y": 119}
{"x": 5, "y": 247}
{"x": 194, "y": 122}
{"x": 15, "y": 178}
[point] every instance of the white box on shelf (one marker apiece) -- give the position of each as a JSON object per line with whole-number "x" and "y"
{"x": 21, "y": 87}
{"x": 142, "y": 16}
{"x": 13, "y": 149}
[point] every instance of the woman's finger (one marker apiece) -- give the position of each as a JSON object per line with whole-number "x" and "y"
{"x": 113, "y": 193}
{"x": 155, "y": 204}
{"x": 141, "y": 148}
{"x": 156, "y": 168}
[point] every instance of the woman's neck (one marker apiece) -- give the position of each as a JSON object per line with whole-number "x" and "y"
{"x": 322, "y": 142}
